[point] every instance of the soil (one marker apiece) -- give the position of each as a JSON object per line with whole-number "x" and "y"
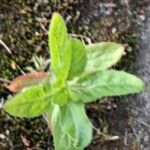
{"x": 97, "y": 20}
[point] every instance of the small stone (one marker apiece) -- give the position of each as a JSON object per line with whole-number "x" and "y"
{"x": 37, "y": 33}
{"x": 23, "y": 12}
{"x": 13, "y": 65}
{"x": 2, "y": 136}
{"x": 7, "y": 132}
{"x": 114, "y": 30}
{"x": 142, "y": 17}
{"x": 146, "y": 138}
{"x": 129, "y": 49}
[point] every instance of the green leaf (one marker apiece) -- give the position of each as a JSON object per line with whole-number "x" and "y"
{"x": 68, "y": 55}
{"x": 104, "y": 83}
{"x": 60, "y": 97}
{"x": 103, "y": 55}
{"x": 66, "y": 59}
{"x": 78, "y": 58}
{"x": 74, "y": 130}
{"x": 82, "y": 123}
{"x": 31, "y": 102}
{"x": 62, "y": 139}
{"x": 59, "y": 46}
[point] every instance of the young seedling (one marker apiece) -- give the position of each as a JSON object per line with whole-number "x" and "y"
{"x": 79, "y": 74}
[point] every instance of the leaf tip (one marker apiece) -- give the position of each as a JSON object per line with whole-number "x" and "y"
{"x": 56, "y": 16}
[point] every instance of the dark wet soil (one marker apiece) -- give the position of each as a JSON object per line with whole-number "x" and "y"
{"x": 97, "y": 20}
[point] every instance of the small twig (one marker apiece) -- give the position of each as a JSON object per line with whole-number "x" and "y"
{"x": 98, "y": 131}
{"x": 143, "y": 123}
{"x": 71, "y": 34}
{"x": 106, "y": 137}
{"x": 1, "y": 102}
{"x": 125, "y": 137}
{"x": 134, "y": 133}
{"x": 81, "y": 36}
{"x": 78, "y": 35}
{"x": 21, "y": 70}
{"x": 42, "y": 26}
{"x": 4, "y": 80}
{"x": 5, "y": 46}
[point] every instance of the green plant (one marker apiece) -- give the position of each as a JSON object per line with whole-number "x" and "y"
{"x": 40, "y": 64}
{"x": 79, "y": 74}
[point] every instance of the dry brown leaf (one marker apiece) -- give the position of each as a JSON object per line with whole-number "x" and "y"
{"x": 26, "y": 80}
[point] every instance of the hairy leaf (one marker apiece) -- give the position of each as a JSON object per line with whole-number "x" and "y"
{"x": 31, "y": 102}
{"x": 68, "y": 54}
{"x": 62, "y": 140}
{"x": 82, "y": 123}
{"x": 103, "y": 55}
{"x": 66, "y": 60}
{"x": 60, "y": 97}
{"x": 26, "y": 80}
{"x": 59, "y": 45}
{"x": 104, "y": 83}
{"x": 78, "y": 58}
{"x": 74, "y": 131}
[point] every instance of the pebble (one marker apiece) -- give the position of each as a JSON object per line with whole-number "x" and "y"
{"x": 142, "y": 17}
{"x": 114, "y": 30}
{"x": 7, "y": 132}
{"x": 2, "y": 136}
{"x": 146, "y": 138}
